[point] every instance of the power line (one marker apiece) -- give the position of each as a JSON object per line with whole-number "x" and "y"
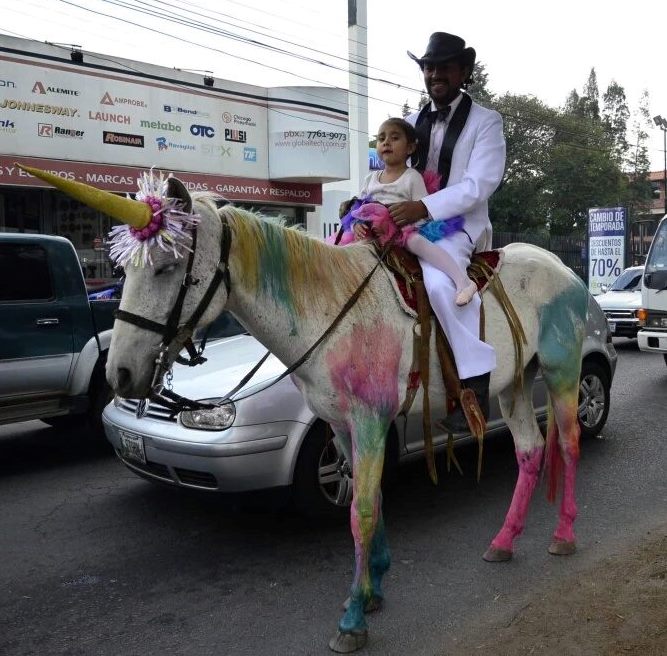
{"x": 223, "y": 52}
{"x": 194, "y": 25}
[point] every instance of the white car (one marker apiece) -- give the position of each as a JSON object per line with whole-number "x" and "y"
{"x": 272, "y": 441}
{"x": 622, "y": 303}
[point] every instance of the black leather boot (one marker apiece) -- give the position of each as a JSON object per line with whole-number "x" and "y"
{"x": 456, "y": 422}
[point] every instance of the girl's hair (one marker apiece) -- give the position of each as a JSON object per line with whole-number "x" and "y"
{"x": 402, "y": 124}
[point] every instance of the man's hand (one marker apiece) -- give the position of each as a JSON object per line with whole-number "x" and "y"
{"x": 407, "y": 212}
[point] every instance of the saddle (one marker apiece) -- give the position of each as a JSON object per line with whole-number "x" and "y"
{"x": 409, "y": 280}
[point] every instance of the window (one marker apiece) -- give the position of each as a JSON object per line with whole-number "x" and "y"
{"x": 657, "y": 258}
{"x": 628, "y": 281}
{"x": 19, "y": 211}
{"x": 24, "y": 273}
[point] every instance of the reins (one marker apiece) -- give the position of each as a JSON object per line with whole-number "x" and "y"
{"x": 176, "y": 403}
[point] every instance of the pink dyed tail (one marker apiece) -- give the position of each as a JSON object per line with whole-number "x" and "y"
{"x": 553, "y": 458}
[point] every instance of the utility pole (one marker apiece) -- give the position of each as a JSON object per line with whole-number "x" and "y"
{"x": 662, "y": 124}
{"x": 357, "y": 50}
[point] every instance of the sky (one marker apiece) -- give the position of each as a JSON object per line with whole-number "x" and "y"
{"x": 532, "y": 48}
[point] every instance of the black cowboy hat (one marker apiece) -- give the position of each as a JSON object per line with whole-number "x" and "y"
{"x": 442, "y": 47}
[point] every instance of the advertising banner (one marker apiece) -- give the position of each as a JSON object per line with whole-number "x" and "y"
{"x": 311, "y": 139}
{"x": 606, "y": 246}
{"x": 115, "y": 178}
{"x": 135, "y": 114}
{"x": 53, "y": 110}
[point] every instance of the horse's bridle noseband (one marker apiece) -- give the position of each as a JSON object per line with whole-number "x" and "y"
{"x": 171, "y": 329}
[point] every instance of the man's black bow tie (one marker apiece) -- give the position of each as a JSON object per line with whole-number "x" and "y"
{"x": 439, "y": 114}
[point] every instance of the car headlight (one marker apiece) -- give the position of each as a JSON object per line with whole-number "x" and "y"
{"x": 219, "y": 418}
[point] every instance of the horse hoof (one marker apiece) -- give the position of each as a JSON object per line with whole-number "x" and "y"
{"x": 346, "y": 643}
{"x": 560, "y": 548}
{"x": 373, "y": 604}
{"x": 493, "y": 555}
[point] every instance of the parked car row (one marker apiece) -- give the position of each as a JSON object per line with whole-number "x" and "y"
{"x": 272, "y": 441}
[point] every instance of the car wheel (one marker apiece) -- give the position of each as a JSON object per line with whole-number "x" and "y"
{"x": 664, "y": 355}
{"x": 594, "y": 394}
{"x": 322, "y": 483}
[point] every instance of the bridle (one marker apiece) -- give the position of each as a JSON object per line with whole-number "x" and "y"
{"x": 173, "y": 329}
{"x": 170, "y": 330}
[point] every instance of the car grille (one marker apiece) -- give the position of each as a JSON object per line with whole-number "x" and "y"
{"x": 620, "y": 314}
{"x": 184, "y": 477}
{"x": 153, "y": 411}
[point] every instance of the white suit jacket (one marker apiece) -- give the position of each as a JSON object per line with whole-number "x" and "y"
{"x": 478, "y": 164}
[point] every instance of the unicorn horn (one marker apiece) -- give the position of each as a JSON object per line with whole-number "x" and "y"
{"x": 125, "y": 210}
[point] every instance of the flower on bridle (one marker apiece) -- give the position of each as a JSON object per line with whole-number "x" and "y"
{"x": 169, "y": 229}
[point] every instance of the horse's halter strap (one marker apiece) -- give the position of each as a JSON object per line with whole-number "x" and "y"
{"x": 171, "y": 329}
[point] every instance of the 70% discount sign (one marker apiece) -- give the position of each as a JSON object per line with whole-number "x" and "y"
{"x": 606, "y": 246}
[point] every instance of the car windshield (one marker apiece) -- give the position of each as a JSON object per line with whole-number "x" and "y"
{"x": 657, "y": 257}
{"x": 628, "y": 281}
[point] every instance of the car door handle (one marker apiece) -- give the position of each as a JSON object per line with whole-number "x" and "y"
{"x": 47, "y": 322}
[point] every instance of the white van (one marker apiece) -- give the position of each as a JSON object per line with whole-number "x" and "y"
{"x": 654, "y": 294}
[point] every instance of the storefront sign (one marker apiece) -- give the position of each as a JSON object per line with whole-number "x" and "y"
{"x": 606, "y": 246}
{"x": 124, "y": 179}
{"x": 308, "y": 141}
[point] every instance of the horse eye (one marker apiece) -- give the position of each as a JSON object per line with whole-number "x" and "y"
{"x": 168, "y": 268}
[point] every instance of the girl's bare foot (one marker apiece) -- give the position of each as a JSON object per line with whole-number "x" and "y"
{"x": 465, "y": 295}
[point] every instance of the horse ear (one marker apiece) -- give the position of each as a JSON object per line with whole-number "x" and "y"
{"x": 176, "y": 189}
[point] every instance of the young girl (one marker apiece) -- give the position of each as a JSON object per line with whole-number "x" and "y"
{"x": 396, "y": 141}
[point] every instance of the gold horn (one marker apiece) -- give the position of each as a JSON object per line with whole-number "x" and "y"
{"x": 126, "y": 210}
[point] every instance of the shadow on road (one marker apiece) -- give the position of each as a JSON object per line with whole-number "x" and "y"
{"x": 34, "y": 446}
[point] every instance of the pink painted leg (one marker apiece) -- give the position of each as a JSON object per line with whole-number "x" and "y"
{"x": 529, "y": 468}
{"x": 563, "y": 540}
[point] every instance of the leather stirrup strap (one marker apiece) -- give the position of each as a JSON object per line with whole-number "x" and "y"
{"x": 424, "y": 316}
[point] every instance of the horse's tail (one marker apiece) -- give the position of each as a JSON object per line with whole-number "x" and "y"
{"x": 553, "y": 459}
{"x": 562, "y": 329}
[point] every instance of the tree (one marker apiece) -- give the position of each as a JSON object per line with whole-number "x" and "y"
{"x": 615, "y": 115}
{"x": 580, "y": 172}
{"x": 478, "y": 90}
{"x": 591, "y": 98}
{"x": 640, "y": 193}
{"x": 405, "y": 110}
{"x": 521, "y": 204}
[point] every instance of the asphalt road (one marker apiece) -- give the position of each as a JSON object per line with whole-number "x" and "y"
{"x": 94, "y": 561}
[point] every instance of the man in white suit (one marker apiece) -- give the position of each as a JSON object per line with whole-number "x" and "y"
{"x": 464, "y": 143}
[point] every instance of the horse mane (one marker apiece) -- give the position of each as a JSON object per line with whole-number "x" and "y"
{"x": 293, "y": 267}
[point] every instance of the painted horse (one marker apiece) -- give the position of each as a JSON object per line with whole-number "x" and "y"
{"x": 286, "y": 288}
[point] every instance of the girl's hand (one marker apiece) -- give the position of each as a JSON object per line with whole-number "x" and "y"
{"x": 361, "y": 231}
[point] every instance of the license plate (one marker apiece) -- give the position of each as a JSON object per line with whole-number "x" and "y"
{"x": 132, "y": 447}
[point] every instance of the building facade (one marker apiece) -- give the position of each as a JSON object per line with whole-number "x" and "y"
{"x": 102, "y": 121}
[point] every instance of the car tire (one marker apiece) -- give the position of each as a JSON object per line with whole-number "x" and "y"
{"x": 664, "y": 355}
{"x": 100, "y": 395}
{"x": 594, "y": 396}
{"x": 322, "y": 484}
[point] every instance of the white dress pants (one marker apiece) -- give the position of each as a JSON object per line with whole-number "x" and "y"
{"x": 460, "y": 324}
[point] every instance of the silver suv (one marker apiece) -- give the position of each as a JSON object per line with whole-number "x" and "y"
{"x": 622, "y": 303}
{"x": 272, "y": 441}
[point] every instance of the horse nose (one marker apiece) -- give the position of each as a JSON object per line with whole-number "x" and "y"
{"x": 124, "y": 380}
